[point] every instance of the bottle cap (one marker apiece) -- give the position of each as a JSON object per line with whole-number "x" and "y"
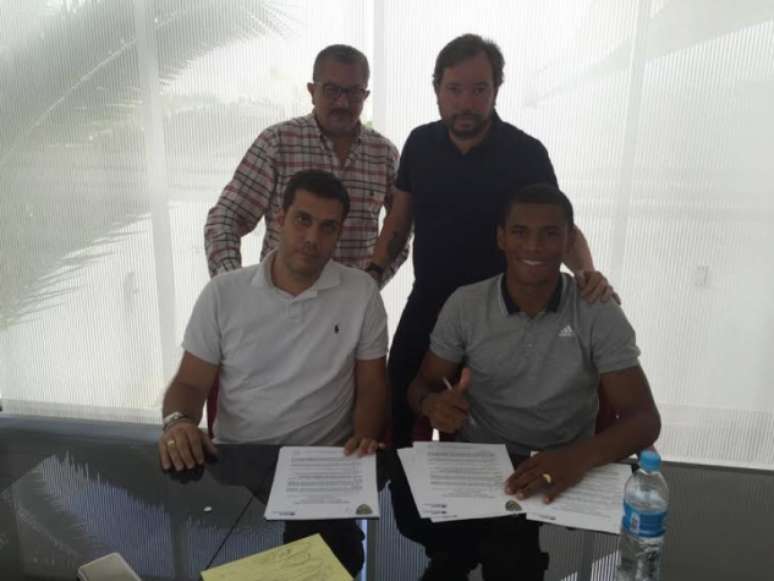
{"x": 650, "y": 461}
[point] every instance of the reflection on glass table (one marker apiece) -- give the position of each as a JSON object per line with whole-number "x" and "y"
{"x": 73, "y": 491}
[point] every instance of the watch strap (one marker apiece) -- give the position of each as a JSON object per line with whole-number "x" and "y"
{"x": 373, "y": 267}
{"x": 173, "y": 418}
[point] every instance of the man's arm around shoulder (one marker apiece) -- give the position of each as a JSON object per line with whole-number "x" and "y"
{"x": 592, "y": 284}
{"x": 241, "y": 205}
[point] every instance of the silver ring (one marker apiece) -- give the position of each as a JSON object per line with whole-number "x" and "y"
{"x": 171, "y": 443}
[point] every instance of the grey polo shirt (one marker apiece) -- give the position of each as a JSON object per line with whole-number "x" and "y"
{"x": 534, "y": 380}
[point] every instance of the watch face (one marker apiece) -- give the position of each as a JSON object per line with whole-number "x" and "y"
{"x": 173, "y": 417}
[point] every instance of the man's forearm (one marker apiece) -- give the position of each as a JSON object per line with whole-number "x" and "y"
{"x": 223, "y": 252}
{"x": 185, "y": 399}
{"x": 579, "y": 256}
{"x": 391, "y": 242}
{"x": 395, "y": 231}
{"x": 625, "y": 437}
{"x": 418, "y": 392}
{"x": 231, "y": 218}
{"x": 370, "y": 413}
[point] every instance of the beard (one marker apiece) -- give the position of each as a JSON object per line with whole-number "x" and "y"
{"x": 477, "y": 124}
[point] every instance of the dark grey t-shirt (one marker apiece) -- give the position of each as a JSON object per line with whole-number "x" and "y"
{"x": 534, "y": 380}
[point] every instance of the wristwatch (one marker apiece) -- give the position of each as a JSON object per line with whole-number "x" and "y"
{"x": 173, "y": 418}
{"x": 376, "y": 269}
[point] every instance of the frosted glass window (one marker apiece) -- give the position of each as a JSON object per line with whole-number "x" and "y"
{"x": 121, "y": 121}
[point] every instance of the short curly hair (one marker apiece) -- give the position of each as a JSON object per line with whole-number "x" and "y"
{"x": 540, "y": 193}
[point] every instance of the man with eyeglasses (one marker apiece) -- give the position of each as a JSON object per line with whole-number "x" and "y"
{"x": 330, "y": 138}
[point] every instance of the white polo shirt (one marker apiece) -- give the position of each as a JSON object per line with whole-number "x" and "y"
{"x": 287, "y": 363}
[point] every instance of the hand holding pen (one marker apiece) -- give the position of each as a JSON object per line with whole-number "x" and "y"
{"x": 448, "y": 409}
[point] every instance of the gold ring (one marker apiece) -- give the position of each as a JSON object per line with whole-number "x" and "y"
{"x": 547, "y": 477}
{"x": 170, "y": 443}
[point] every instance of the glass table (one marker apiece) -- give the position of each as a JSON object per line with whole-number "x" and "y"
{"x": 72, "y": 491}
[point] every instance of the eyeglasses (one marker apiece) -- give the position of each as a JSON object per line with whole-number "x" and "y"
{"x": 354, "y": 94}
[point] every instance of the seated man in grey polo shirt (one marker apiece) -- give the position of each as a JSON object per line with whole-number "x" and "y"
{"x": 298, "y": 343}
{"x": 535, "y": 356}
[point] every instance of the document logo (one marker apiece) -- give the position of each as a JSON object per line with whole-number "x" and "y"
{"x": 567, "y": 332}
{"x": 512, "y": 506}
{"x": 363, "y": 509}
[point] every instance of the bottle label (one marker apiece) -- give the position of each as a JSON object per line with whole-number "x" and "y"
{"x": 643, "y": 524}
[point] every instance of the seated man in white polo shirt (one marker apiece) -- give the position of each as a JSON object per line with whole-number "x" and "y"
{"x": 298, "y": 343}
{"x": 535, "y": 357}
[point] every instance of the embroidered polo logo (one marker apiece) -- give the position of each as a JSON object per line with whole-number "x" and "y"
{"x": 335, "y": 328}
{"x": 567, "y": 332}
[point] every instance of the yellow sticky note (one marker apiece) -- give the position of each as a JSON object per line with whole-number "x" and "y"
{"x": 307, "y": 558}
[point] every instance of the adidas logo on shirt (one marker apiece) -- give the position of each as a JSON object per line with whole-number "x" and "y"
{"x": 567, "y": 332}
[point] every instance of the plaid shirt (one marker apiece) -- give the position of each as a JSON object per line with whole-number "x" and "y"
{"x": 259, "y": 182}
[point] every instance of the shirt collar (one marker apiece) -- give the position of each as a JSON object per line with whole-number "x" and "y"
{"x": 512, "y": 308}
{"x": 494, "y": 131}
{"x": 329, "y": 277}
{"x": 312, "y": 120}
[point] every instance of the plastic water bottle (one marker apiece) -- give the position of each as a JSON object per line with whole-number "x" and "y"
{"x": 646, "y": 498}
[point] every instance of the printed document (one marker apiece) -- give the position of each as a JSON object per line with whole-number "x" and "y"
{"x": 320, "y": 482}
{"x": 455, "y": 481}
{"x": 595, "y": 503}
